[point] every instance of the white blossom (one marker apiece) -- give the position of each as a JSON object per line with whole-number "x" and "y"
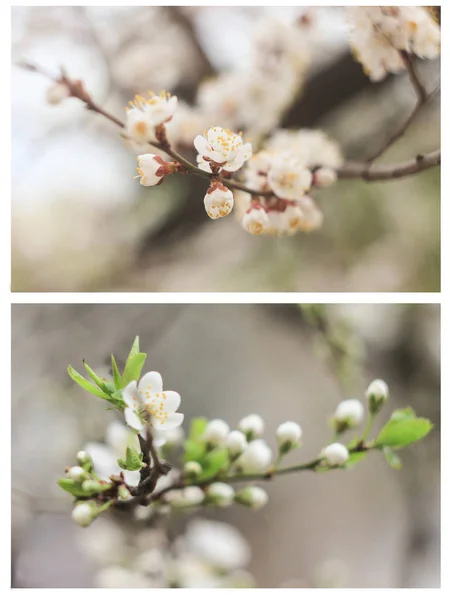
{"x": 291, "y": 220}
{"x": 223, "y": 147}
{"x": 312, "y": 147}
{"x": 288, "y": 177}
{"x": 150, "y": 168}
{"x": 335, "y": 454}
{"x": 83, "y": 514}
{"x": 255, "y": 220}
{"x": 288, "y": 434}
{"x": 147, "y": 401}
{"x": 218, "y": 201}
{"x": 252, "y": 426}
{"x": 252, "y": 496}
{"x": 218, "y": 544}
{"x": 256, "y": 458}
{"x": 83, "y": 457}
{"x": 350, "y": 412}
{"x": 380, "y": 33}
{"x": 220, "y": 493}
{"x": 216, "y": 432}
{"x": 236, "y": 443}
{"x": 144, "y": 114}
{"x": 312, "y": 215}
{"x": 116, "y": 576}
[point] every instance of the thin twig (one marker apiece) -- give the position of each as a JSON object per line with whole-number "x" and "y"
{"x": 348, "y": 171}
{"x": 423, "y": 98}
{"x": 370, "y": 172}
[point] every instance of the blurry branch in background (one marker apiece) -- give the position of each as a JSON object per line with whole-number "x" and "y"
{"x": 423, "y": 98}
{"x": 335, "y": 342}
{"x": 355, "y": 170}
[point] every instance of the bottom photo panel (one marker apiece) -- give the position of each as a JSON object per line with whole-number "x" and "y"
{"x": 225, "y": 446}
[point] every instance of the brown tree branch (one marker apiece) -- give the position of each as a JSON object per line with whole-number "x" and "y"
{"x": 370, "y": 172}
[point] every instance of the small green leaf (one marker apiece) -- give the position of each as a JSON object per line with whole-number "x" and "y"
{"x": 355, "y": 457}
{"x": 116, "y": 373}
{"x": 73, "y": 487}
{"x": 197, "y": 428}
{"x": 403, "y": 430}
{"x": 104, "y": 507}
{"x": 404, "y": 414}
{"x": 214, "y": 461}
{"x": 392, "y": 459}
{"x": 95, "y": 378}
{"x": 85, "y": 384}
{"x": 134, "y": 349}
{"x": 133, "y": 460}
{"x": 133, "y": 368}
{"x": 194, "y": 451}
{"x": 116, "y": 399}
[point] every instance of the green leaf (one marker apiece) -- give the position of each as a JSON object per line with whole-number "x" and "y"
{"x": 116, "y": 373}
{"x": 214, "y": 461}
{"x": 134, "y": 349}
{"x": 404, "y": 429}
{"x": 392, "y": 459}
{"x": 197, "y": 428}
{"x": 133, "y": 368}
{"x": 85, "y": 384}
{"x": 355, "y": 457}
{"x": 73, "y": 487}
{"x": 194, "y": 450}
{"x": 95, "y": 378}
{"x": 133, "y": 460}
{"x": 117, "y": 400}
{"x": 405, "y": 414}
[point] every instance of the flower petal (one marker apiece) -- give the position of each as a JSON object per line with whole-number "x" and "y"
{"x": 171, "y": 401}
{"x": 133, "y": 420}
{"x": 130, "y": 394}
{"x": 171, "y": 422}
{"x": 201, "y": 145}
{"x": 151, "y": 382}
{"x": 131, "y": 477}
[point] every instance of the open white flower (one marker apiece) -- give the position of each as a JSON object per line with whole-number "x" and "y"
{"x": 289, "y": 178}
{"x": 218, "y": 201}
{"x": 147, "y": 401}
{"x": 223, "y": 147}
{"x": 145, "y": 114}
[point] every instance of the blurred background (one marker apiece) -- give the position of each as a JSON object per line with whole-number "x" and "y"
{"x": 367, "y": 527}
{"x": 80, "y": 221}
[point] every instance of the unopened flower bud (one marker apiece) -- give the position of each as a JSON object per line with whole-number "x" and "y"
{"x": 252, "y": 426}
{"x": 185, "y": 498}
{"x": 83, "y": 514}
{"x": 236, "y": 443}
{"x": 377, "y": 394}
{"x": 83, "y": 457}
{"x": 219, "y": 493}
{"x": 192, "y": 469}
{"x": 252, "y": 496}
{"x": 288, "y": 436}
{"x": 324, "y": 177}
{"x": 255, "y": 220}
{"x": 218, "y": 201}
{"x": 93, "y": 487}
{"x": 123, "y": 492}
{"x": 349, "y": 413}
{"x": 77, "y": 473}
{"x": 256, "y": 458}
{"x": 216, "y": 432}
{"x": 151, "y": 169}
{"x": 57, "y": 92}
{"x": 335, "y": 454}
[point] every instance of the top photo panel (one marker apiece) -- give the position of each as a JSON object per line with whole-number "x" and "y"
{"x": 226, "y": 149}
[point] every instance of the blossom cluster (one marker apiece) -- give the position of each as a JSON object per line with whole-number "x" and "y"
{"x": 380, "y": 34}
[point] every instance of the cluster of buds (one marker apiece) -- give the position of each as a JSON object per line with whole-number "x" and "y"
{"x": 284, "y": 206}
{"x": 380, "y": 34}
